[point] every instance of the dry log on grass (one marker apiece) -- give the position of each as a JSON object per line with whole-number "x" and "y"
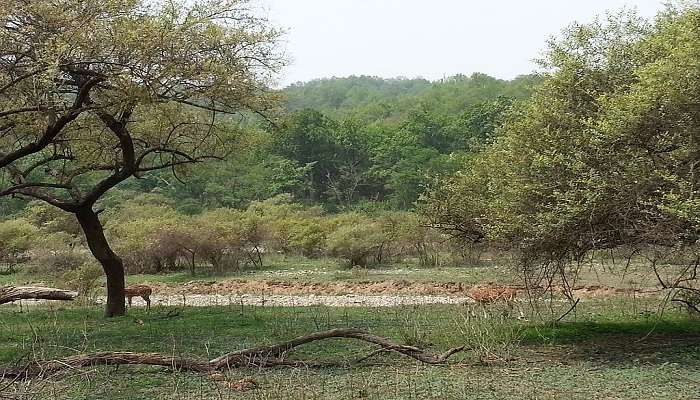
{"x": 263, "y": 356}
{"x": 9, "y": 294}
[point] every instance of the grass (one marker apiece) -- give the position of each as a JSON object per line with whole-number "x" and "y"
{"x": 615, "y": 348}
{"x": 607, "y": 349}
{"x": 327, "y": 270}
{"x": 295, "y": 269}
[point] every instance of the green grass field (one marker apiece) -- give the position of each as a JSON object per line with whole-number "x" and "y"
{"x": 607, "y": 349}
{"x": 620, "y": 347}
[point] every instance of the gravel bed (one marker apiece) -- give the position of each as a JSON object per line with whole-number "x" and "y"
{"x": 198, "y": 300}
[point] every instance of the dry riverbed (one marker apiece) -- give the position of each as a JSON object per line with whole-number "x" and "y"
{"x": 340, "y": 294}
{"x": 372, "y": 288}
{"x": 276, "y": 300}
{"x": 387, "y": 293}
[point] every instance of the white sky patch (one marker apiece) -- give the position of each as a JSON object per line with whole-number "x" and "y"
{"x": 430, "y": 39}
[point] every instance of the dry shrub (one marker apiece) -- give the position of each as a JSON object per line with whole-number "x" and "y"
{"x": 85, "y": 280}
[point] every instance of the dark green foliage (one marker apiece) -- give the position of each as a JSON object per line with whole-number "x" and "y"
{"x": 344, "y": 142}
{"x": 373, "y": 99}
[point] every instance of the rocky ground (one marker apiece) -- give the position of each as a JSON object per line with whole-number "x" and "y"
{"x": 305, "y": 300}
{"x": 341, "y": 294}
{"x": 386, "y": 287}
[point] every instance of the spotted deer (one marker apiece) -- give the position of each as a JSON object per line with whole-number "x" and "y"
{"x": 490, "y": 293}
{"x": 142, "y": 291}
{"x": 493, "y": 294}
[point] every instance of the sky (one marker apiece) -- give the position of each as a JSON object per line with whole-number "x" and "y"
{"x": 426, "y": 38}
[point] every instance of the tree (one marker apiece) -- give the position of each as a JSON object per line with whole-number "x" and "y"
{"x": 356, "y": 239}
{"x": 93, "y": 93}
{"x": 605, "y": 154}
{"x": 16, "y": 237}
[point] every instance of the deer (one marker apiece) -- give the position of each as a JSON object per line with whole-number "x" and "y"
{"x": 142, "y": 291}
{"x": 493, "y": 294}
{"x": 490, "y": 294}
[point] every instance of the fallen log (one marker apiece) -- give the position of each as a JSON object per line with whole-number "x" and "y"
{"x": 262, "y": 356}
{"x": 9, "y": 294}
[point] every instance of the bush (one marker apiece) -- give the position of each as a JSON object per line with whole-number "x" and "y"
{"x": 409, "y": 236}
{"x": 308, "y": 236}
{"x": 85, "y": 279}
{"x": 357, "y": 240}
{"x": 51, "y": 219}
{"x": 291, "y": 227}
{"x": 58, "y": 252}
{"x": 221, "y": 239}
{"x": 141, "y": 236}
{"x": 17, "y": 237}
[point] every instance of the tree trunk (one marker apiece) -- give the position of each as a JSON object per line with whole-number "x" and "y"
{"x": 9, "y": 294}
{"x": 192, "y": 264}
{"x": 111, "y": 263}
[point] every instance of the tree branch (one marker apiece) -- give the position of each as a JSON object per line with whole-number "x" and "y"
{"x": 263, "y": 356}
{"x": 118, "y": 127}
{"x": 55, "y": 157}
{"x": 22, "y": 110}
{"x": 9, "y": 294}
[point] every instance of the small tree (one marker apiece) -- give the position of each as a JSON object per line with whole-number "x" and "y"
{"x": 16, "y": 237}
{"x": 95, "y": 92}
{"x": 222, "y": 238}
{"x": 356, "y": 240}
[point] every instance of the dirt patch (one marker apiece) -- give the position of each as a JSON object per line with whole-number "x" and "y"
{"x": 388, "y": 287}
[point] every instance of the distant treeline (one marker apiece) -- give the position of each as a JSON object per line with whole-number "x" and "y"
{"x": 344, "y": 143}
{"x": 374, "y": 99}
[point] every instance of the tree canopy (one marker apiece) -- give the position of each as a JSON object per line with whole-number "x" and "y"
{"x": 96, "y": 92}
{"x": 604, "y": 154}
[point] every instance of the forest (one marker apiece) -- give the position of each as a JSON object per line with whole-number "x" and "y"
{"x": 342, "y": 143}
{"x": 146, "y": 154}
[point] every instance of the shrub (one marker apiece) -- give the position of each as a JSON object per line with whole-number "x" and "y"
{"x": 222, "y": 241}
{"x": 58, "y": 252}
{"x": 308, "y": 236}
{"x": 357, "y": 240}
{"x": 409, "y": 236}
{"x": 85, "y": 279}
{"x": 17, "y": 237}
{"x": 51, "y": 219}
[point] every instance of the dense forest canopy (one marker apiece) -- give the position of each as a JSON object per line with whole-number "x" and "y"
{"x": 343, "y": 142}
{"x": 346, "y": 142}
{"x": 375, "y": 99}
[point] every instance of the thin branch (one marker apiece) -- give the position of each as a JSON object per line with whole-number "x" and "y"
{"x": 20, "y": 187}
{"x": 22, "y": 111}
{"x": 55, "y": 157}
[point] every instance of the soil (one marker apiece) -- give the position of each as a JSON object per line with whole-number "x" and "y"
{"x": 388, "y": 287}
{"x": 342, "y": 294}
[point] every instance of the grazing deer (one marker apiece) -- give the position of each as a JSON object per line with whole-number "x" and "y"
{"x": 493, "y": 294}
{"x": 142, "y": 291}
{"x": 489, "y": 294}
